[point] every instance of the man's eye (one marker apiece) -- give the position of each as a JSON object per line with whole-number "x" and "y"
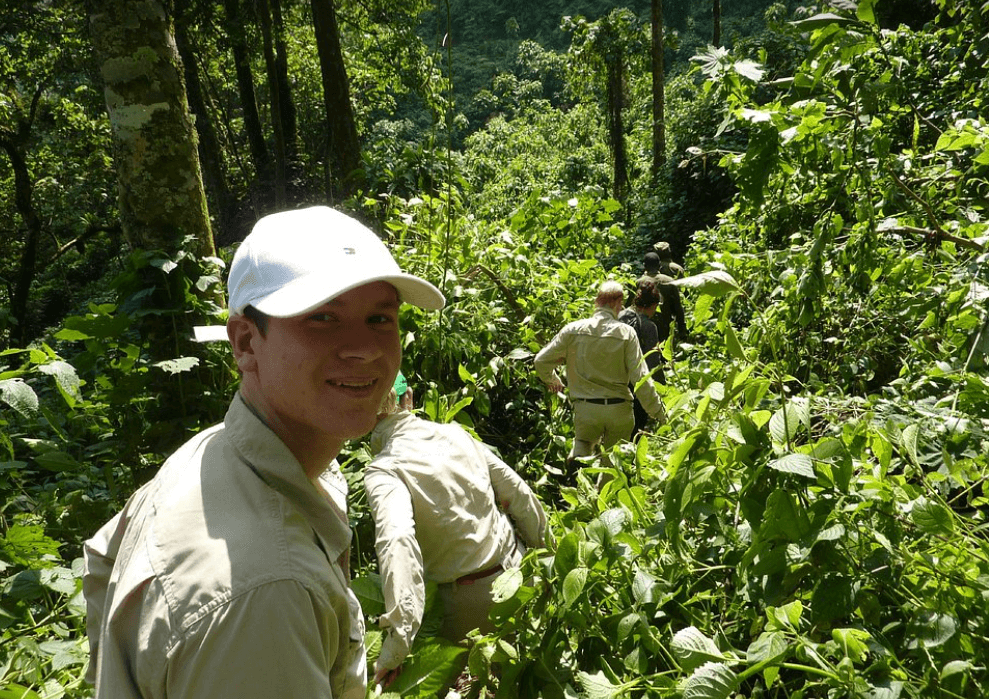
{"x": 380, "y": 319}
{"x": 321, "y": 317}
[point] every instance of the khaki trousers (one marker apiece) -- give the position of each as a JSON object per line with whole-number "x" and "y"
{"x": 595, "y": 424}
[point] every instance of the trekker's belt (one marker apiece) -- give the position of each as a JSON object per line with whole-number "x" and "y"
{"x": 471, "y": 578}
{"x": 603, "y": 401}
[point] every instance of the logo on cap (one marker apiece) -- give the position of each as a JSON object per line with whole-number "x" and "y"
{"x": 349, "y": 251}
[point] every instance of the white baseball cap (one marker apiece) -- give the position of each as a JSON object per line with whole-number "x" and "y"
{"x": 295, "y": 261}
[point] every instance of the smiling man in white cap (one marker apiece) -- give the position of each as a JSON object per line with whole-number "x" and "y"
{"x": 228, "y": 573}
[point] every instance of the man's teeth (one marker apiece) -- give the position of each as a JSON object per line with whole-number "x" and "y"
{"x": 353, "y": 384}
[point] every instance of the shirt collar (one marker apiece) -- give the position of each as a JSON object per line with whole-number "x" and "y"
{"x": 386, "y": 427}
{"x": 265, "y": 454}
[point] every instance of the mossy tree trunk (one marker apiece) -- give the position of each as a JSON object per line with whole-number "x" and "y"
{"x": 161, "y": 196}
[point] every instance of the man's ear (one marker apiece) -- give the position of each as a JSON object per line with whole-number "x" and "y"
{"x": 241, "y": 331}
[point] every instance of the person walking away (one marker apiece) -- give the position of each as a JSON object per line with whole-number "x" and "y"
{"x": 670, "y": 312}
{"x": 227, "y": 575}
{"x": 602, "y": 359}
{"x": 639, "y": 318}
{"x": 666, "y": 264}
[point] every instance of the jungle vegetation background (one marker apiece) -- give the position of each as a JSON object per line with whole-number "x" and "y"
{"x": 812, "y": 520}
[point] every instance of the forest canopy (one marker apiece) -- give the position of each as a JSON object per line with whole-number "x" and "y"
{"x": 811, "y": 521}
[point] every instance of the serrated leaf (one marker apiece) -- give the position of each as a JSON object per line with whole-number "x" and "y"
{"x": 932, "y": 517}
{"x": 598, "y": 686}
{"x": 799, "y": 464}
{"x": 19, "y": 396}
{"x": 692, "y": 649}
{"x": 506, "y": 585}
{"x": 710, "y": 681}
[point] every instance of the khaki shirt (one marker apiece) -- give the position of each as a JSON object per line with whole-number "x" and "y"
{"x": 225, "y": 576}
{"x": 603, "y": 357}
{"x": 444, "y": 506}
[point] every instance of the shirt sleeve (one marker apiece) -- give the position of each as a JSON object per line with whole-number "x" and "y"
{"x": 278, "y": 639}
{"x": 400, "y": 565}
{"x": 517, "y": 498}
{"x": 645, "y": 391}
{"x": 551, "y": 355}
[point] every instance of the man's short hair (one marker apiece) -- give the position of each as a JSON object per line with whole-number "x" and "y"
{"x": 646, "y": 294}
{"x": 609, "y": 292}
{"x": 651, "y": 262}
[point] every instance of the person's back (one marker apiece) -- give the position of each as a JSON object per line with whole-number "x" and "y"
{"x": 449, "y": 482}
{"x": 670, "y": 311}
{"x": 446, "y": 510}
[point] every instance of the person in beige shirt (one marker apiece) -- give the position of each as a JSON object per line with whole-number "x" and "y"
{"x": 603, "y": 359}
{"x": 445, "y": 509}
{"x": 227, "y": 575}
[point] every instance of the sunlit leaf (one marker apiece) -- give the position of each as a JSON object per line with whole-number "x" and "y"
{"x": 932, "y": 517}
{"x": 714, "y": 283}
{"x": 179, "y": 365}
{"x": 799, "y": 464}
{"x": 573, "y": 585}
{"x": 692, "y": 649}
{"x": 710, "y": 681}
{"x": 19, "y": 396}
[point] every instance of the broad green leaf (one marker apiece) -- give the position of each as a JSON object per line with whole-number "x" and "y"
{"x": 908, "y": 442}
{"x": 799, "y": 464}
{"x": 931, "y": 630}
{"x": 787, "y": 422}
{"x": 573, "y": 585}
{"x": 66, "y": 379}
{"x": 821, "y": 20}
{"x": 57, "y": 461}
{"x": 566, "y": 554}
{"x": 644, "y": 587}
{"x": 59, "y": 580}
{"x": 506, "y": 585}
{"x": 179, "y": 365}
{"x": 731, "y": 342}
{"x": 367, "y": 589}
{"x": 429, "y": 668}
{"x": 17, "y": 691}
{"x": 768, "y": 646}
{"x": 598, "y": 686}
{"x": 932, "y": 517}
{"x": 853, "y": 641}
{"x": 864, "y": 11}
{"x": 786, "y": 617}
{"x": 692, "y": 649}
{"x": 714, "y": 283}
{"x": 19, "y": 396}
{"x": 710, "y": 681}
{"x": 465, "y": 375}
{"x": 955, "y": 667}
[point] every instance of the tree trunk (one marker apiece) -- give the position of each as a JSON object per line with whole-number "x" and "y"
{"x": 716, "y": 12}
{"x": 161, "y": 194}
{"x": 343, "y": 148}
{"x": 275, "y": 93}
{"x": 210, "y": 154}
{"x": 658, "y": 90}
{"x": 289, "y": 125}
{"x": 23, "y": 189}
{"x": 245, "y": 87}
{"x": 616, "y": 125}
